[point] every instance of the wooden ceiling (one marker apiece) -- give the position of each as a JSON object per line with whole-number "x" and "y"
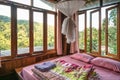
{"x": 53, "y": 1}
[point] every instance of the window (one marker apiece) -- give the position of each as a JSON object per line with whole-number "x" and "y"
{"x": 89, "y": 5}
{"x": 38, "y": 31}
{"x": 88, "y": 30}
{"x": 82, "y": 31}
{"x": 27, "y": 2}
{"x": 103, "y": 25}
{"x": 102, "y": 31}
{"x": 43, "y": 5}
{"x": 25, "y": 30}
{"x": 111, "y": 37}
{"x": 94, "y": 31}
{"x": 5, "y": 30}
{"x": 108, "y": 2}
{"x": 109, "y": 31}
{"x": 50, "y": 31}
{"x": 22, "y": 31}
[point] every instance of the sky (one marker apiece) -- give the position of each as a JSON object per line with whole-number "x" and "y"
{"x": 95, "y": 22}
{"x": 95, "y": 18}
{"x": 23, "y": 14}
{"x": 22, "y": 1}
{"x": 37, "y": 3}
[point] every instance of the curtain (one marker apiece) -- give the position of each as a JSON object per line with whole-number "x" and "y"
{"x": 74, "y": 47}
{"x": 68, "y": 8}
{"x": 0, "y": 62}
{"x": 59, "y": 35}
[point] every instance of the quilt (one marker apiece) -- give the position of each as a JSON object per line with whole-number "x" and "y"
{"x": 67, "y": 71}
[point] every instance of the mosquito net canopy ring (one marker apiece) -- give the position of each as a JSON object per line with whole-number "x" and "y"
{"x": 68, "y": 8}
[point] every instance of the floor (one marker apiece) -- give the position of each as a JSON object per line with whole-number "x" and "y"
{"x": 12, "y": 76}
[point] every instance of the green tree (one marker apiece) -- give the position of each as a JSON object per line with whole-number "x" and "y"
{"x": 113, "y": 16}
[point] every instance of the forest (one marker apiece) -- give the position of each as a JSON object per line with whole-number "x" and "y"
{"x": 23, "y": 35}
{"x": 112, "y": 35}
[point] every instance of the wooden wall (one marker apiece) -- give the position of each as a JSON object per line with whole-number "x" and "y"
{"x": 8, "y": 66}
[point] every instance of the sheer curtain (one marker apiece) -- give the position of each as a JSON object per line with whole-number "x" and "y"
{"x": 68, "y": 8}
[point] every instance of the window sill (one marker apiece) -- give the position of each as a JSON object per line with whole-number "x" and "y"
{"x": 5, "y": 59}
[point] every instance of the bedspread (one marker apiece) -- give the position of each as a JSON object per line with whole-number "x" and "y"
{"x": 105, "y": 74}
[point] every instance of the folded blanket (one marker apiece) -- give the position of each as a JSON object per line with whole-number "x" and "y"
{"x": 46, "y": 66}
{"x": 42, "y": 75}
{"x": 49, "y": 75}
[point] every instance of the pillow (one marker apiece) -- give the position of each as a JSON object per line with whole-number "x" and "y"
{"x": 106, "y": 63}
{"x": 82, "y": 56}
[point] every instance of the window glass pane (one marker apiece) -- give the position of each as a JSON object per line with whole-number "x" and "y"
{"x": 103, "y": 28}
{"x": 5, "y": 30}
{"x": 22, "y": 31}
{"x": 112, "y": 31}
{"x": 38, "y": 31}
{"x": 50, "y": 31}
{"x": 106, "y": 2}
{"x": 81, "y": 31}
{"x": 28, "y": 2}
{"x": 95, "y": 28}
{"x": 88, "y": 30}
{"x": 93, "y": 4}
{"x": 43, "y": 5}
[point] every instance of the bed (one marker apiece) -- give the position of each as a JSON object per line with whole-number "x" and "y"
{"x": 104, "y": 73}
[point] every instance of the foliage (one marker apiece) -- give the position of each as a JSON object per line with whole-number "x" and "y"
{"x": 113, "y": 16}
{"x": 112, "y": 35}
{"x": 23, "y": 34}
{"x": 4, "y": 18}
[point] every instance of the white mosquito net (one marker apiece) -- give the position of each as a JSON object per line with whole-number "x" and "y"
{"x": 68, "y": 8}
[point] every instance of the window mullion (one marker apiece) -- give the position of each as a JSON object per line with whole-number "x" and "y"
{"x": 106, "y": 34}
{"x": 93, "y": 28}
{"x": 13, "y": 31}
{"x": 118, "y": 32}
{"x": 31, "y": 31}
{"x": 55, "y": 30}
{"x": 90, "y": 32}
{"x": 85, "y": 32}
{"x": 99, "y": 33}
{"x": 45, "y": 32}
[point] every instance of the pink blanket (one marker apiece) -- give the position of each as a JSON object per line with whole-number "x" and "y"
{"x": 105, "y": 74}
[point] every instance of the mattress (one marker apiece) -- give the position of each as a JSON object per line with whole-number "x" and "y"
{"x": 105, "y": 74}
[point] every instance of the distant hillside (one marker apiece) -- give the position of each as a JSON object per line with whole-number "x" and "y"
{"x": 7, "y": 19}
{"x": 4, "y": 18}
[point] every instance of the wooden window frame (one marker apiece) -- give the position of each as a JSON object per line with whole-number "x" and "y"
{"x": 55, "y": 32}
{"x": 32, "y": 30}
{"x": 12, "y": 32}
{"x": 106, "y": 32}
{"x": 99, "y": 32}
{"x": 116, "y": 57}
{"x": 23, "y": 54}
{"x": 85, "y": 32}
{"x": 118, "y": 24}
{"x": 14, "y": 7}
{"x": 118, "y": 32}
